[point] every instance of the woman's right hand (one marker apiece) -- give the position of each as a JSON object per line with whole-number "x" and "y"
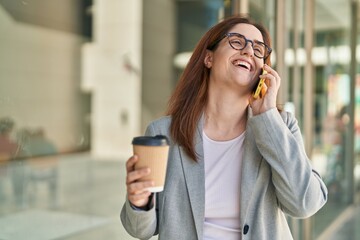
{"x": 137, "y": 193}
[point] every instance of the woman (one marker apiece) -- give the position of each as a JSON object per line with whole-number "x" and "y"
{"x": 237, "y": 165}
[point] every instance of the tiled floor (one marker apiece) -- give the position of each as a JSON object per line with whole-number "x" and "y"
{"x": 76, "y": 197}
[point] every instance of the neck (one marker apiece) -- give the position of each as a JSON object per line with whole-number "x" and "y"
{"x": 225, "y": 116}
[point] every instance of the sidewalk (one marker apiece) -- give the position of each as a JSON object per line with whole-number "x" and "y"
{"x": 84, "y": 202}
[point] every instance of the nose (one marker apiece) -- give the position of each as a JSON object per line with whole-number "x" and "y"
{"x": 248, "y": 49}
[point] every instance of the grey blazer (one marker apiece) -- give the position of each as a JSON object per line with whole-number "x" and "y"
{"x": 276, "y": 180}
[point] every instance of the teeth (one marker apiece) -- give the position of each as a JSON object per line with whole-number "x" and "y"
{"x": 242, "y": 63}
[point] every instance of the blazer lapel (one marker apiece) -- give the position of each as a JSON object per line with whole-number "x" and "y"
{"x": 249, "y": 170}
{"x": 194, "y": 173}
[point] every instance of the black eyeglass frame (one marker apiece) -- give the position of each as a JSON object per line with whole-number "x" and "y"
{"x": 268, "y": 50}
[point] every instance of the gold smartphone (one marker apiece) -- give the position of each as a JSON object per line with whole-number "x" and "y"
{"x": 259, "y": 86}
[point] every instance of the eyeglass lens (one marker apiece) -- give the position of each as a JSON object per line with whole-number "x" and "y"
{"x": 239, "y": 42}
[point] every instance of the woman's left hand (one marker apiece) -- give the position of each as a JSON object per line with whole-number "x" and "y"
{"x": 271, "y": 86}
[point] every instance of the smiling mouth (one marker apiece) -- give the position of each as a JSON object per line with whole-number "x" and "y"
{"x": 242, "y": 64}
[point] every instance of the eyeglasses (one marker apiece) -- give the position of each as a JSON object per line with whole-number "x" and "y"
{"x": 239, "y": 42}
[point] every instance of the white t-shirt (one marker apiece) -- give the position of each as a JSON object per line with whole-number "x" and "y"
{"x": 222, "y": 188}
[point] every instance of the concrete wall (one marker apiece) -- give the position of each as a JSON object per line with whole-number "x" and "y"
{"x": 112, "y": 73}
{"x": 40, "y": 80}
{"x": 127, "y": 70}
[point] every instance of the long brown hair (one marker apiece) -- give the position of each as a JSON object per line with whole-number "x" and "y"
{"x": 190, "y": 96}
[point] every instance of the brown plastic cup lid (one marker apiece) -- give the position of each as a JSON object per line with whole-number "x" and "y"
{"x": 158, "y": 140}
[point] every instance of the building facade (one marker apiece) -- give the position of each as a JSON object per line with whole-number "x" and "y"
{"x": 93, "y": 73}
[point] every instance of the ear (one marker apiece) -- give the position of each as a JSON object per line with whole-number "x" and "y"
{"x": 208, "y": 59}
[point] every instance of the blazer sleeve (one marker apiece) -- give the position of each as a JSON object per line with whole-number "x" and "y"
{"x": 298, "y": 187}
{"x": 140, "y": 224}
